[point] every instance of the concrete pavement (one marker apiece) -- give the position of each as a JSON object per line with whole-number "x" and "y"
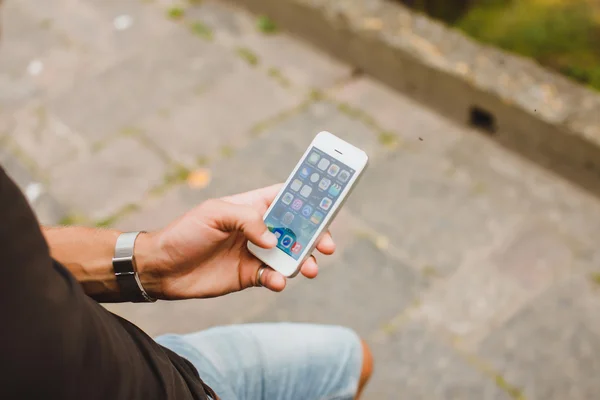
{"x": 473, "y": 273}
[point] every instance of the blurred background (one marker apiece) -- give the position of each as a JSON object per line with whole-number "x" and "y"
{"x": 471, "y": 271}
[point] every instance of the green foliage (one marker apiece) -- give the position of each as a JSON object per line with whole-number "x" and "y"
{"x": 560, "y": 34}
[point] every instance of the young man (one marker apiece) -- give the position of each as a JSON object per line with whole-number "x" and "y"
{"x": 57, "y": 342}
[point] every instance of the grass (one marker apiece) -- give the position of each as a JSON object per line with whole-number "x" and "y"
{"x": 176, "y": 13}
{"x": 388, "y": 139}
{"x": 559, "y": 34}
{"x": 201, "y": 30}
{"x": 266, "y": 25}
{"x": 71, "y": 219}
{"x": 109, "y": 221}
{"x": 227, "y": 152}
{"x": 247, "y": 55}
{"x": 279, "y": 77}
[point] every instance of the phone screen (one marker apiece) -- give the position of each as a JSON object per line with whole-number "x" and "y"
{"x": 306, "y": 201}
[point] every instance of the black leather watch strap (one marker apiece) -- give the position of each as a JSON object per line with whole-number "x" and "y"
{"x": 125, "y": 269}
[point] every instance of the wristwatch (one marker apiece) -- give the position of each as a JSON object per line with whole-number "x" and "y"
{"x": 126, "y": 271}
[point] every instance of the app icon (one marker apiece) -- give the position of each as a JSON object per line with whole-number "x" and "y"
{"x": 307, "y": 210}
{"x": 295, "y": 186}
{"x": 323, "y": 164}
{"x": 277, "y": 234}
{"x": 287, "y": 241}
{"x": 296, "y": 248}
{"x": 306, "y": 191}
{"x": 314, "y": 177}
{"x": 333, "y": 170}
{"x": 325, "y": 203}
{"x": 344, "y": 175}
{"x": 297, "y": 204}
{"x": 335, "y": 189}
{"x": 317, "y": 217}
{"x": 304, "y": 172}
{"x": 324, "y": 184}
{"x": 287, "y": 198}
{"x": 313, "y": 158}
{"x": 287, "y": 218}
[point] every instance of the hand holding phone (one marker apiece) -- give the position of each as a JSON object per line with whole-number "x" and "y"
{"x": 309, "y": 200}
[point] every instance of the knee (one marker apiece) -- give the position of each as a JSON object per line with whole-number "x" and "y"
{"x": 367, "y": 365}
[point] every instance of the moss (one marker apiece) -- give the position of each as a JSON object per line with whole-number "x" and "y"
{"x": 201, "y": 30}
{"x": 130, "y": 131}
{"x": 279, "y": 77}
{"x": 478, "y": 188}
{"x": 179, "y": 174}
{"x": 266, "y": 25}
{"x": 109, "y": 221}
{"x": 46, "y": 23}
{"x": 202, "y": 161}
{"x": 227, "y": 152}
{"x": 316, "y": 95}
{"x": 430, "y": 271}
{"x": 175, "y": 13}
{"x": 247, "y": 55}
{"x": 388, "y": 139}
{"x": 512, "y": 391}
{"x": 71, "y": 219}
{"x": 595, "y": 277}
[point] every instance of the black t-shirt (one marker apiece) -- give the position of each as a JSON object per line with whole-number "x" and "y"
{"x": 56, "y": 342}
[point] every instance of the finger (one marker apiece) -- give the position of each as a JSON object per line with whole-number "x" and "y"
{"x": 272, "y": 280}
{"x": 326, "y": 245}
{"x": 310, "y": 269}
{"x": 234, "y": 217}
{"x": 259, "y": 198}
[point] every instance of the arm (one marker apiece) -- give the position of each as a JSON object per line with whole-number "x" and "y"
{"x": 201, "y": 254}
{"x": 87, "y": 253}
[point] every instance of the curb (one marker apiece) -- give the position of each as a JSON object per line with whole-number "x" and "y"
{"x": 522, "y": 106}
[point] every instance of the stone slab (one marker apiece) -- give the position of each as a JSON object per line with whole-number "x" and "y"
{"x": 550, "y": 348}
{"x": 408, "y": 119}
{"x": 200, "y": 126}
{"x": 285, "y": 58}
{"x": 414, "y": 364}
{"x": 495, "y": 285}
{"x": 144, "y": 83}
{"x": 348, "y": 291}
{"x": 103, "y": 183}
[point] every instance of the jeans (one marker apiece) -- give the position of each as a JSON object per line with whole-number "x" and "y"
{"x": 280, "y": 361}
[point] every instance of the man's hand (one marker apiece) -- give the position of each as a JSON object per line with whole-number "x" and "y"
{"x": 203, "y": 253}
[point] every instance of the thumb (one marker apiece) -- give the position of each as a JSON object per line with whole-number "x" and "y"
{"x": 230, "y": 217}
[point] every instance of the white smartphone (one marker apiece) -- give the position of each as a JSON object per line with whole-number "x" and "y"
{"x": 311, "y": 197}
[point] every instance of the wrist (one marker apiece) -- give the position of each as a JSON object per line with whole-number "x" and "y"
{"x": 149, "y": 264}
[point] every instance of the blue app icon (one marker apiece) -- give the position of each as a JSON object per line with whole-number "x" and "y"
{"x": 286, "y": 237}
{"x": 287, "y": 241}
{"x": 307, "y": 210}
{"x": 304, "y": 172}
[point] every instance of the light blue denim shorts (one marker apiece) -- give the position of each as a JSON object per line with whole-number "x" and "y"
{"x": 280, "y": 361}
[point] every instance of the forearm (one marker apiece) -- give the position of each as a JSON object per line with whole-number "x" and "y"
{"x": 87, "y": 253}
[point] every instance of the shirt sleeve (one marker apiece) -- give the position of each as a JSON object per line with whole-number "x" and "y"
{"x": 56, "y": 342}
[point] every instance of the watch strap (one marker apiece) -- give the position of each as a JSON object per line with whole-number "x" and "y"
{"x": 126, "y": 270}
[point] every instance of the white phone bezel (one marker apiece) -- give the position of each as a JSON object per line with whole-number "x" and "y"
{"x": 345, "y": 153}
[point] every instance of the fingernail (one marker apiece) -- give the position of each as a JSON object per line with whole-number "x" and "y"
{"x": 269, "y": 239}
